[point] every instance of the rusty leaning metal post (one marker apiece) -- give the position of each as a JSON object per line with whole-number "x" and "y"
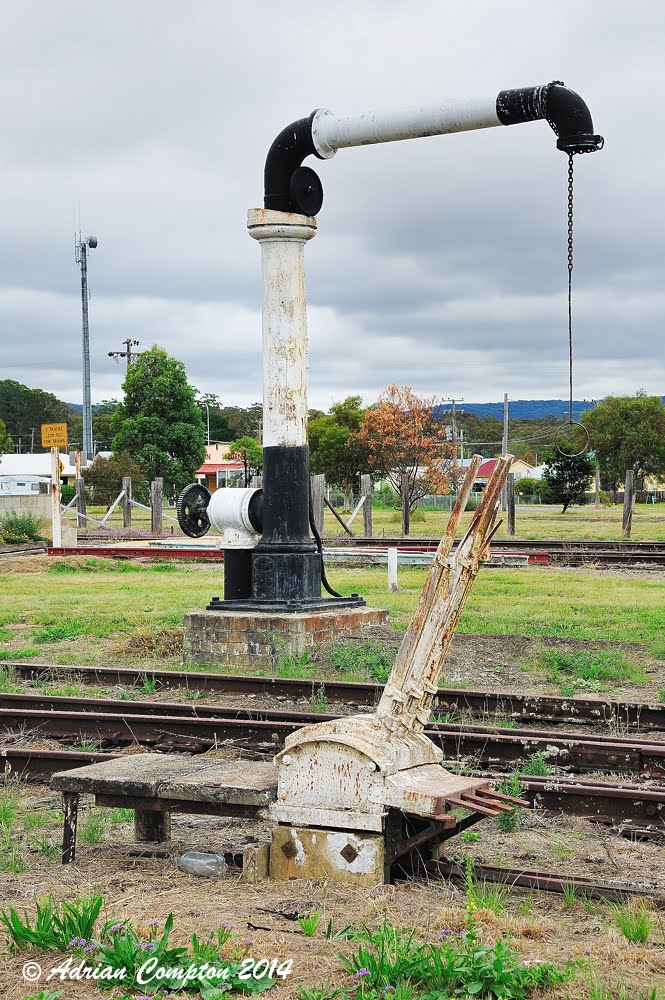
{"x": 510, "y": 502}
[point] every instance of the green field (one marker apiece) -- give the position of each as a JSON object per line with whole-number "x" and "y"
{"x": 80, "y": 611}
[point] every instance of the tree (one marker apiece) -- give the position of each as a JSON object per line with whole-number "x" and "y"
{"x": 335, "y": 448}
{"x": 566, "y": 479}
{"x": 23, "y": 409}
{"x": 6, "y": 443}
{"x": 159, "y": 423}
{"x": 248, "y": 451}
{"x": 627, "y": 432}
{"x": 403, "y": 437}
{"x": 104, "y": 479}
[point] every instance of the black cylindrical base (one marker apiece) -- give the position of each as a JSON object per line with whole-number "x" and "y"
{"x": 237, "y": 574}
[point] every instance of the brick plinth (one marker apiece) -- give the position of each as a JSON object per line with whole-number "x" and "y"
{"x": 255, "y": 639}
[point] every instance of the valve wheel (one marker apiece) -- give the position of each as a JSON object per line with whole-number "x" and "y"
{"x": 192, "y": 510}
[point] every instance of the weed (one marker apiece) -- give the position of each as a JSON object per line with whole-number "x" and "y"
{"x": 560, "y": 850}
{"x": 55, "y": 926}
{"x": 318, "y": 701}
{"x": 507, "y": 822}
{"x": 322, "y": 992}
{"x": 25, "y": 653}
{"x": 634, "y": 921}
{"x": 588, "y": 905}
{"x": 45, "y": 995}
{"x": 6, "y": 635}
{"x": 146, "y": 685}
{"x": 469, "y": 836}
{"x": 293, "y": 665}
{"x": 10, "y": 801}
{"x": 661, "y": 695}
{"x": 569, "y": 897}
{"x": 91, "y": 830}
{"x": 195, "y": 695}
{"x": 67, "y": 628}
{"x": 8, "y": 681}
{"x": 86, "y": 745}
{"x": 597, "y": 991}
{"x": 309, "y": 923}
{"x": 368, "y": 659}
{"x": 536, "y": 765}
{"x": 120, "y": 815}
{"x": 526, "y": 906}
{"x": 488, "y": 896}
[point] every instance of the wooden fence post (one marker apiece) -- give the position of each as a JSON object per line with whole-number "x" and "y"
{"x": 406, "y": 513}
{"x": 127, "y": 502}
{"x": 80, "y": 502}
{"x": 318, "y": 486}
{"x": 156, "y": 502}
{"x": 366, "y": 490}
{"x": 510, "y": 501}
{"x": 628, "y": 504}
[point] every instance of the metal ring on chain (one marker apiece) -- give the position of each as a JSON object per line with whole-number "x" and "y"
{"x": 567, "y": 426}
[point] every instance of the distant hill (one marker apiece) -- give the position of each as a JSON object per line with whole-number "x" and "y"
{"x": 526, "y": 409}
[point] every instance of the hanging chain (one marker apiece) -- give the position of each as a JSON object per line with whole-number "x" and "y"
{"x": 570, "y": 284}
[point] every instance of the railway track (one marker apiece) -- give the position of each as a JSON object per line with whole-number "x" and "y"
{"x": 451, "y": 702}
{"x": 202, "y": 727}
{"x": 559, "y": 552}
{"x": 551, "y": 551}
{"x": 630, "y": 809}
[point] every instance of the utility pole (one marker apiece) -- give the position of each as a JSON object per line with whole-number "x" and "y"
{"x": 127, "y": 353}
{"x": 453, "y": 401}
{"x": 81, "y": 258}
{"x": 32, "y": 439}
{"x": 504, "y": 448}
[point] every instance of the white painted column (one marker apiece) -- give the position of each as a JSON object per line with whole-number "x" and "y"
{"x": 282, "y": 236}
{"x": 56, "y": 519}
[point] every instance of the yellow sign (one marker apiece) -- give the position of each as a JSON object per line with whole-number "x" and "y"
{"x": 54, "y": 435}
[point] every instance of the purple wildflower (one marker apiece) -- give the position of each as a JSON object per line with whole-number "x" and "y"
{"x": 148, "y": 946}
{"x": 390, "y": 989}
{"x": 154, "y": 923}
{"x": 587, "y": 951}
{"x": 361, "y": 973}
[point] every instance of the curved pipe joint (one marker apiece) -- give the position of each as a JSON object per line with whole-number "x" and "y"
{"x": 290, "y": 187}
{"x": 566, "y": 112}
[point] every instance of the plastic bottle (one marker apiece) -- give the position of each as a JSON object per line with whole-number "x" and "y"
{"x": 200, "y": 863}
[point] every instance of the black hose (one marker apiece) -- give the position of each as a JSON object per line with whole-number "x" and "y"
{"x": 319, "y": 547}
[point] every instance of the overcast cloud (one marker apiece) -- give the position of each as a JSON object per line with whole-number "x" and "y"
{"x": 439, "y": 263}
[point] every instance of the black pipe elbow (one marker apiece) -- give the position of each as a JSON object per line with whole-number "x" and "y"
{"x": 566, "y": 112}
{"x": 288, "y": 186}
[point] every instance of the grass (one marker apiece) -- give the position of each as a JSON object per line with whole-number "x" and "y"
{"x": 367, "y": 660}
{"x": 507, "y": 822}
{"x": 634, "y": 921}
{"x": 142, "y": 612}
{"x": 584, "y": 669}
{"x": 91, "y": 830}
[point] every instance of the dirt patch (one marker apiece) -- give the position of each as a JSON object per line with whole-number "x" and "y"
{"x": 262, "y": 916}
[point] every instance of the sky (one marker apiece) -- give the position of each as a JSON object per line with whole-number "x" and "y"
{"x": 439, "y": 263}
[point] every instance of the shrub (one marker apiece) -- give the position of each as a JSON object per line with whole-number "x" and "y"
{"x": 16, "y": 529}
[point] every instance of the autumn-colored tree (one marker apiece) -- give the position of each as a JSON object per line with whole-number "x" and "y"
{"x": 403, "y": 438}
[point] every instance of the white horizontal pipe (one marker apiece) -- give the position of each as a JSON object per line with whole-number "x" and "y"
{"x": 331, "y": 132}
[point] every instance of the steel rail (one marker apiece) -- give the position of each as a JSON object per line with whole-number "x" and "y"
{"x": 544, "y": 881}
{"x": 629, "y": 808}
{"x": 452, "y": 701}
{"x": 124, "y": 722}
